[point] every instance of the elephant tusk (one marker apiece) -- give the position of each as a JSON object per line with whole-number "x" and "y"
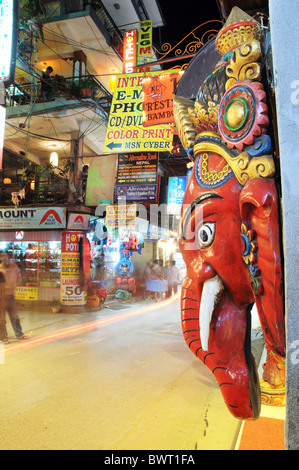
{"x": 211, "y": 295}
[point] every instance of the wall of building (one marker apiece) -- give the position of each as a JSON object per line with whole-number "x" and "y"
{"x": 284, "y": 22}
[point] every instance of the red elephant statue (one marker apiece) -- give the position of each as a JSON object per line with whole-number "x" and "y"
{"x": 230, "y": 226}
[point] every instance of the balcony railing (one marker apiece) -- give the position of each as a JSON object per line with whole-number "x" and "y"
{"x": 66, "y": 7}
{"x": 61, "y": 87}
{"x": 42, "y": 193}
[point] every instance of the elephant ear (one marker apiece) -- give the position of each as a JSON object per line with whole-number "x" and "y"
{"x": 261, "y": 235}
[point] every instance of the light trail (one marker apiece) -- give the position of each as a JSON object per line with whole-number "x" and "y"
{"x": 74, "y": 330}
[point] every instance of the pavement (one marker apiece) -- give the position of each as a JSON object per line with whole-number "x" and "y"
{"x": 166, "y": 398}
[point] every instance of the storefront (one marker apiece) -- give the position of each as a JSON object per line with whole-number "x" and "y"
{"x": 32, "y": 238}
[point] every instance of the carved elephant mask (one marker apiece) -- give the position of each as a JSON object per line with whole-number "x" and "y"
{"x": 217, "y": 294}
{"x": 229, "y": 234}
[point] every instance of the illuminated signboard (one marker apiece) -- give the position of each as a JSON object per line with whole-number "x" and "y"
{"x": 125, "y": 130}
{"x": 8, "y": 38}
{"x": 144, "y": 55}
{"x": 2, "y": 129}
{"x": 157, "y": 97}
{"x": 176, "y": 191}
{"x": 130, "y": 51}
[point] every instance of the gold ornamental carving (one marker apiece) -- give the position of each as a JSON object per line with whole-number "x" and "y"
{"x": 244, "y": 166}
{"x": 243, "y": 64}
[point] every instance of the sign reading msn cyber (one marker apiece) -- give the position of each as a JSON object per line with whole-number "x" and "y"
{"x": 29, "y": 218}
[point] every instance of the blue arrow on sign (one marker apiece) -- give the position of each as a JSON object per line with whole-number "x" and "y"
{"x": 113, "y": 146}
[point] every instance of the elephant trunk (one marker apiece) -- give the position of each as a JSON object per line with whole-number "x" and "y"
{"x": 218, "y": 332}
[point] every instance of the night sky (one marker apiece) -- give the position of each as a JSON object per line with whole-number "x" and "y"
{"x": 183, "y": 17}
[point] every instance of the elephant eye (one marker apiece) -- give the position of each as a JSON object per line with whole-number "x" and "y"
{"x": 206, "y": 234}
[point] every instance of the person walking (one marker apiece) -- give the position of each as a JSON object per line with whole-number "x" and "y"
{"x": 3, "y": 332}
{"x": 173, "y": 278}
{"x": 12, "y": 277}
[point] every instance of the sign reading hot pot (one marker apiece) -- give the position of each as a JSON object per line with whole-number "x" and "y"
{"x": 70, "y": 289}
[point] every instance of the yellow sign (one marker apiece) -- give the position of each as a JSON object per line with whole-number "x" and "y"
{"x": 125, "y": 131}
{"x": 145, "y": 45}
{"x": 121, "y": 215}
{"x": 26, "y": 293}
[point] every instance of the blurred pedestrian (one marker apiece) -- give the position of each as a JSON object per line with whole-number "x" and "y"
{"x": 173, "y": 278}
{"x": 148, "y": 272}
{"x": 12, "y": 277}
{"x": 3, "y": 332}
{"x": 98, "y": 266}
{"x": 158, "y": 270}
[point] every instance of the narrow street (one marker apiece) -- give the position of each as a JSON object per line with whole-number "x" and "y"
{"x": 118, "y": 379}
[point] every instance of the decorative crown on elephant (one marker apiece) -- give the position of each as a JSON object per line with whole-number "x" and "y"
{"x": 230, "y": 231}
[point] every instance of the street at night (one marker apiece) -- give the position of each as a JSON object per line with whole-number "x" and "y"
{"x": 118, "y": 379}
{"x": 149, "y": 227}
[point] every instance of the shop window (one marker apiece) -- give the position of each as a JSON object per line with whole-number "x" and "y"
{"x": 49, "y": 264}
{"x": 39, "y": 262}
{"x": 26, "y": 257}
{"x": 8, "y": 248}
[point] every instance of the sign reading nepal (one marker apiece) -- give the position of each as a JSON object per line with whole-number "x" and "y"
{"x": 125, "y": 129}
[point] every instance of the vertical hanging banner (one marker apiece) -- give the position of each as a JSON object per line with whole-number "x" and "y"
{"x": 2, "y": 130}
{"x": 9, "y": 27}
{"x": 130, "y": 51}
{"x": 158, "y": 92}
{"x": 70, "y": 289}
{"x": 145, "y": 41}
{"x": 125, "y": 131}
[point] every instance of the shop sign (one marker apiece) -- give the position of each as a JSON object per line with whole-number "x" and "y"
{"x": 158, "y": 94}
{"x": 144, "y": 192}
{"x": 26, "y": 293}
{"x": 70, "y": 289}
{"x": 158, "y": 233}
{"x": 39, "y": 218}
{"x": 144, "y": 55}
{"x": 125, "y": 130}
{"x": 117, "y": 44}
{"x": 78, "y": 222}
{"x": 121, "y": 215}
{"x": 176, "y": 191}
{"x": 130, "y": 51}
{"x": 137, "y": 177}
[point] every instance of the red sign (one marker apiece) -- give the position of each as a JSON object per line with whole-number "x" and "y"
{"x": 130, "y": 51}
{"x": 158, "y": 94}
